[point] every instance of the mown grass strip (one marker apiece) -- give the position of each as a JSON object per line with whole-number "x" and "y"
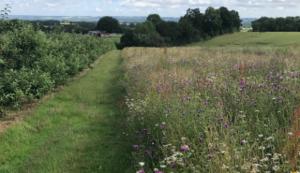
{"x": 78, "y": 130}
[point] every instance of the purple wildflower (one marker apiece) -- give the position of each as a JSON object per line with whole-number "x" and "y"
{"x": 242, "y": 84}
{"x": 184, "y": 148}
{"x": 158, "y": 171}
{"x": 140, "y": 171}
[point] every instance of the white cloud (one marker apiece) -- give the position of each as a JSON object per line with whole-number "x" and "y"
{"x": 247, "y": 8}
{"x": 51, "y": 4}
{"x": 98, "y": 9}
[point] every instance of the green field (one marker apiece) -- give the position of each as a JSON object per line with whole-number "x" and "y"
{"x": 77, "y": 130}
{"x": 254, "y": 39}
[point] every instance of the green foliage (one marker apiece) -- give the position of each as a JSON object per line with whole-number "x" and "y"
{"x": 33, "y": 62}
{"x": 22, "y": 47}
{"x": 193, "y": 26}
{"x": 109, "y": 24}
{"x": 11, "y": 25}
{"x": 169, "y": 31}
{"x": 144, "y": 34}
{"x": 265, "y": 24}
{"x": 24, "y": 85}
{"x": 155, "y": 19}
{"x": 212, "y": 22}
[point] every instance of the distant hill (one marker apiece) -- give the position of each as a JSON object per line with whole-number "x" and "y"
{"x": 122, "y": 19}
{"x": 246, "y": 22}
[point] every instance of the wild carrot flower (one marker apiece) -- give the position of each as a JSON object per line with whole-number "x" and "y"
{"x": 142, "y": 164}
{"x": 243, "y": 142}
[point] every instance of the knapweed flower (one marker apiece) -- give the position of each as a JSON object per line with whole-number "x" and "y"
{"x": 140, "y": 171}
{"x": 242, "y": 84}
{"x": 157, "y": 171}
{"x": 184, "y": 148}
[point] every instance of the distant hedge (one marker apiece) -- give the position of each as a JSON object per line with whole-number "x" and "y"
{"x": 33, "y": 62}
{"x": 288, "y": 24}
{"x": 193, "y": 26}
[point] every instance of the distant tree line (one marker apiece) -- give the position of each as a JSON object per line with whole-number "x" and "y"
{"x": 287, "y": 24}
{"x": 70, "y": 27}
{"x": 193, "y": 26}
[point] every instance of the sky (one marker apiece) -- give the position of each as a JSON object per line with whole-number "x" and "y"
{"x": 166, "y": 8}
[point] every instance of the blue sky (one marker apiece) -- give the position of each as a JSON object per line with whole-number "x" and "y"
{"x": 246, "y": 8}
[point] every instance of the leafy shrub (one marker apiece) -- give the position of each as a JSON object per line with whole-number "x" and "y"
{"x": 22, "y": 47}
{"x": 32, "y": 62}
{"x": 21, "y": 86}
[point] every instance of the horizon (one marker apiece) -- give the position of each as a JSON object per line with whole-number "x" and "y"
{"x": 141, "y": 8}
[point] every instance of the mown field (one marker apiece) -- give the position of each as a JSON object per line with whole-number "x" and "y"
{"x": 209, "y": 108}
{"x": 254, "y": 39}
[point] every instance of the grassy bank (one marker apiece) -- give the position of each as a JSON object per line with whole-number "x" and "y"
{"x": 254, "y": 39}
{"x": 78, "y": 130}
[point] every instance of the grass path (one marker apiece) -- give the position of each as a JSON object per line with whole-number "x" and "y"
{"x": 79, "y": 130}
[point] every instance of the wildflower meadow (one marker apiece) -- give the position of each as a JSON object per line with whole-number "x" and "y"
{"x": 217, "y": 110}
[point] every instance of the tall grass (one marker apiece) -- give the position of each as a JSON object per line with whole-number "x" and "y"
{"x": 213, "y": 110}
